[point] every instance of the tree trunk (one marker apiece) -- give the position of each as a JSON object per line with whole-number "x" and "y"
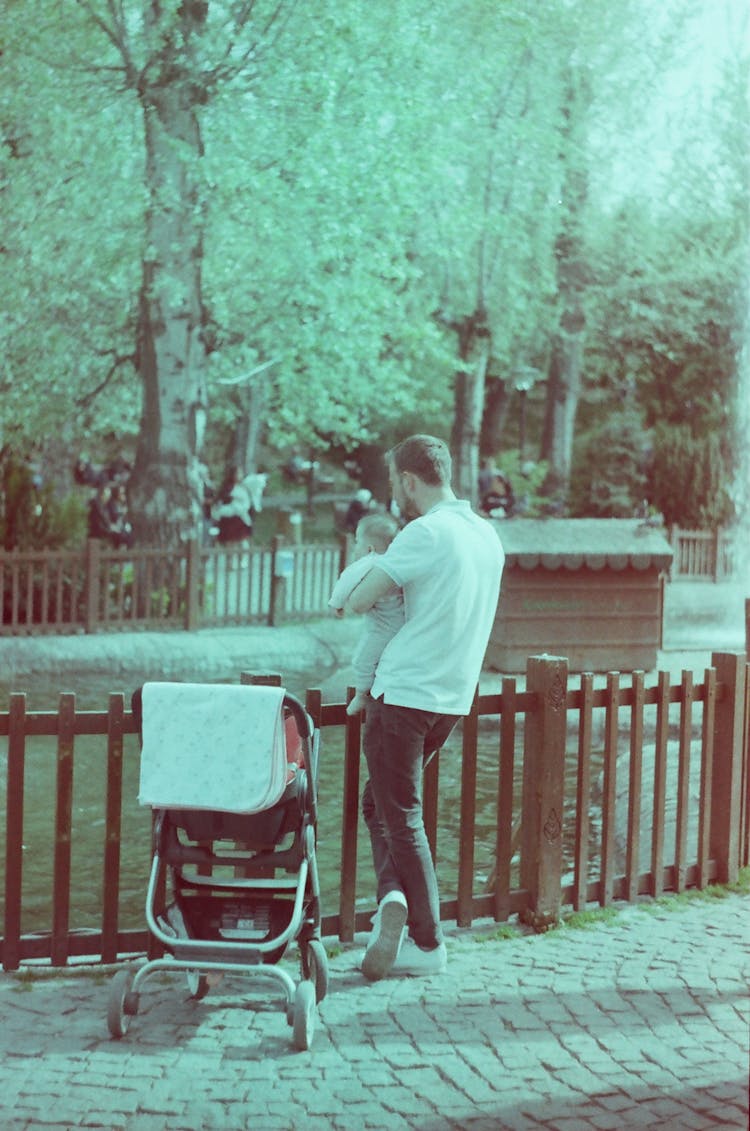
{"x": 474, "y": 351}
{"x": 561, "y": 405}
{"x": 566, "y": 360}
{"x": 252, "y": 399}
{"x": 496, "y": 405}
{"x": 166, "y": 485}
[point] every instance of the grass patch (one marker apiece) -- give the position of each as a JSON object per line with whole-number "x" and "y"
{"x": 504, "y": 931}
{"x": 585, "y": 920}
{"x": 24, "y": 981}
{"x": 675, "y": 901}
{"x": 670, "y": 901}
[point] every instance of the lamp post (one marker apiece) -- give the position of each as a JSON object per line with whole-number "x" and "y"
{"x": 523, "y": 382}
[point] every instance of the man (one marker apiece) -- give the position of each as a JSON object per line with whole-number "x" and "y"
{"x": 448, "y": 561}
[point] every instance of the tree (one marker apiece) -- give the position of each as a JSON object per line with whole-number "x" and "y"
{"x": 308, "y": 255}
{"x": 568, "y": 333}
{"x": 368, "y": 229}
{"x": 70, "y": 259}
{"x": 610, "y": 473}
{"x": 671, "y": 284}
{"x": 173, "y": 59}
{"x": 488, "y": 236}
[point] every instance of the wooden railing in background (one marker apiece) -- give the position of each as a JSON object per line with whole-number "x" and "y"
{"x": 113, "y": 590}
{"x": 532, "y": 724}
{"x": 109, "y": 590}
{"x": 702, "y": 555}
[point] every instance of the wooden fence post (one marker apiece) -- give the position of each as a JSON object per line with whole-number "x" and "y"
{"x": 343, "y": 552}
{"x": 277, "y": 582}
{"x": 63, "y": 830}
{"x": 14, "y": 831}
{"x": 92, "y": 584}
{"x": 192, "y": 585}
{"x": 543, "y": 790}
{"x": 349, "y": 826}
{"x": 468, "y": 817}
{"x": 716, "y": 547}
{"x": 726, "y": 775}
{"x": 113, "y": 827}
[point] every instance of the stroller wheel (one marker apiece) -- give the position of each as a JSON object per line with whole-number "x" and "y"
{"x": 122, "y": 1003}
{"x": 198, "y": 984}
{"x": 304, "y": 1016}
{"x": 315, "y": 967}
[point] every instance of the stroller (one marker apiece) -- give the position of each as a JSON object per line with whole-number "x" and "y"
{"x": 230, "y": 772}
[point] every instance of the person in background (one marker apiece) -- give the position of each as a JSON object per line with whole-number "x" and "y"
{"x": 448, "y": 561}
{"x": 255, "y": 484}
{"x": 360, "y": 505}
{"x": 99, "y": 514}
{"x": 498, "y": 501}
{"x": 487, "y": 472}
{"x": 233, "y": 512}
{"x": 121, "y": 529}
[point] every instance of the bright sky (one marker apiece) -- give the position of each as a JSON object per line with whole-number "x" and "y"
{"x": 677, "y": 112}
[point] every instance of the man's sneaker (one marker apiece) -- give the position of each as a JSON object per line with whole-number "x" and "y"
{"x": 385, "y": 939}
{"x": 420, "y": 963}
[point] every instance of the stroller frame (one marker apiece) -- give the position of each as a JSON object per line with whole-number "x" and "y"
{"x": 289, "y": 905}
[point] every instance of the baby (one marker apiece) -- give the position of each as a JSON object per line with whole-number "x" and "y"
{"x": 375, "y": 532}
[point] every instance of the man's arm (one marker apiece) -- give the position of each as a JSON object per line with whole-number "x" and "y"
{"x": 371, "y": 588}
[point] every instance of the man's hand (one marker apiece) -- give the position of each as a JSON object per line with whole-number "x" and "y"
{"x": 374, "y": 585}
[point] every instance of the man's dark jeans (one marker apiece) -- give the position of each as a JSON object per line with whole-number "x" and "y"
{"x": 397, "y": 741}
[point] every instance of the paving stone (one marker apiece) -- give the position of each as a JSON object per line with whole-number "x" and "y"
{"x": 643, "y": 1023}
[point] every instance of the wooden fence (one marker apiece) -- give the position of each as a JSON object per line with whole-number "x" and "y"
{"x": 702, "y": 554}
{"x": 107, "y": 590}
{"x": 560, "y": 756}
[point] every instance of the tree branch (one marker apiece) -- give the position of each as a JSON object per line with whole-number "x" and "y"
{"x": 89, "y": 397}
{"x": 115, "y": 32}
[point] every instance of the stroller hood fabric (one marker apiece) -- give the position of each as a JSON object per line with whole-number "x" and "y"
{"x": 212, "y": 746}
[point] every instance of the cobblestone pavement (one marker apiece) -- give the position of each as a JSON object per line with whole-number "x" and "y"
{"x": 637, "y": 1021}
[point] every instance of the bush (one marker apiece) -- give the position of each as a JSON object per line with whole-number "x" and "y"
{"x": 610, "y": 469}
{"x": 32, "y": 516}
{"x": 527, "y": 481}
{"x": 688, "y": 479}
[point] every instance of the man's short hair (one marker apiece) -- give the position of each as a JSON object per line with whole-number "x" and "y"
{"x": 379, "y": 530}
{"x": 425, "y": 456}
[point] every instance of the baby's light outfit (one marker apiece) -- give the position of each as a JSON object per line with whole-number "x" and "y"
{"x": 382, "y": 621}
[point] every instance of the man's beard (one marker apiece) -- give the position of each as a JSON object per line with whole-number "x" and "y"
{"x": 406, "y": 506}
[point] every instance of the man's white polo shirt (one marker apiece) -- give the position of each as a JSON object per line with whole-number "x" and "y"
{"x": 449, "y": 563}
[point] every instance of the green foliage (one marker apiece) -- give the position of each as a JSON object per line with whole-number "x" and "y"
{"x": 32, "y": 515}
{"x": 610, "y": 472}
{"x": 527, "y": 481}
{"x": 358, "y": 194}
{"x": 502, "y": 933}
{"x": 585, "y": 920}
{"x": 662, "y": 369}
{"x": 690, "y": 479}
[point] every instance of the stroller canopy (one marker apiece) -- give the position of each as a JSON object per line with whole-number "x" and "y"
{"x": 212, "y": 746}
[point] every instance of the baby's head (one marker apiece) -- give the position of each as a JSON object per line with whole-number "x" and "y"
{"x": 374, "y": 532}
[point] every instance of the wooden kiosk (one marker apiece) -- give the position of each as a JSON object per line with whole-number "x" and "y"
{"x": 588, "y": 589}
